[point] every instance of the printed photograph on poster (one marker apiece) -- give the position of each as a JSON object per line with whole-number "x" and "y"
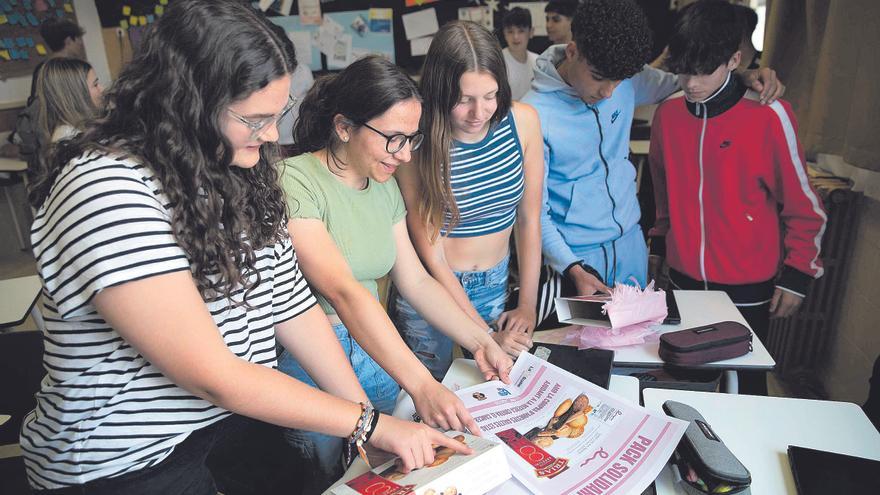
{"x": 539, "y": 21}
{"x": 481, "y": 15}
{"x": 359, "y": 25}
{"x": 380, "y": 20}
{"x": 420, "y": 23}
{"x": 309, "y": 12}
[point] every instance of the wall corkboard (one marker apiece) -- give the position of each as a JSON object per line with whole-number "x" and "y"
{"x": 21, "y": 46}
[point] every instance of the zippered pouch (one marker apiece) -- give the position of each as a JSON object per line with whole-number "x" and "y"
{"x": 702, "y": 462}
{"x": 699, "y": 345}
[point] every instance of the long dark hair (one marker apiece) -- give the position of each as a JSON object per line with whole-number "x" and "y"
{"x": 167, "y": 108}
{"x": 362, "y": 91}
{"x": 459, "y": 47}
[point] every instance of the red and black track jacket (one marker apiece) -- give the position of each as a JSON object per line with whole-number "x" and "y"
{"x": 732, "y": 195}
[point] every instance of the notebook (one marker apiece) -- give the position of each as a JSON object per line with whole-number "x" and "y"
{"x": 593, "y": 365}
{"x": 818, "y": 472}
{"x": 673, "y": 317}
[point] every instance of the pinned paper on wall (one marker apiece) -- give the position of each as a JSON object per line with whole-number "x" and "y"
{"x": 481, "y": 15}
{"x": 340, "y": 57}
{"x": 133, "y": 21}
{"x": 41, "y": 49}
{"x": 68, "y": 8}
{"x": 123, "y": 24}
{"x": 3, "y": 19}
{"x": 309, "y": 12}
{"x": 327, "y": 34}
{"x": 163, "y": 2}
{"x": 420, "y": 24}
{"x": 126, "y": 10}
{"x": 419, "y": 46}
{"x": 302, "y": 42}
{"x": 380, "y": 20}
{"x": 418, "y": 3}
{"x": 4, "y": 54}
{"x": 265, "y": 4}
{"x": 539, "y": 21}
{"x": 159, "y": 10}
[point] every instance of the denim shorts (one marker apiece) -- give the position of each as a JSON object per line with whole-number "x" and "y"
{"x": 321, "y": 455}
{"x": 487, "y": 291}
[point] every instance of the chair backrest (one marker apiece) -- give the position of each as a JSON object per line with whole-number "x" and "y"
{"x": 21, "y": 371}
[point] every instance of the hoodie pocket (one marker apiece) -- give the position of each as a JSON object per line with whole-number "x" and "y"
{"x": 589, "y": 205}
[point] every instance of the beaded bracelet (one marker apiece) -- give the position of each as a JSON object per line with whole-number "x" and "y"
{"x": 363, "y": 423}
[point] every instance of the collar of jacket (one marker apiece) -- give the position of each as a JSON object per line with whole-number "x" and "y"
{"x": 721, "y": 101}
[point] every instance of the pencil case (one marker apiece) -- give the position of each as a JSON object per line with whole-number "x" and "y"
{"x": 702, "y": 463}
{"x": 698, "y": 345}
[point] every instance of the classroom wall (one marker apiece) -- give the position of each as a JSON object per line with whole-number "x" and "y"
{"x": 17, "y": 89}
{"x": 857, "y": 343}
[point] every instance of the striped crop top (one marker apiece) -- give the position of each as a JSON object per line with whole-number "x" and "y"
{"x": 487, "y": 181}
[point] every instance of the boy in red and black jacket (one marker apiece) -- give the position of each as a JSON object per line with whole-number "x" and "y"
{"x": 733, "y": 200}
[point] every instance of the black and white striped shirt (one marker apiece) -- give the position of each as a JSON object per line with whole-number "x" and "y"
{"x": 103, "y": 410}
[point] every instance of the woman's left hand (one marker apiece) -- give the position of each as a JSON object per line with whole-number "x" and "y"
{"x": 517, "y": 320}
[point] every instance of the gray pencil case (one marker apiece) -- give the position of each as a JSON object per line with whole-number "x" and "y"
{"x": 703, "y": 464}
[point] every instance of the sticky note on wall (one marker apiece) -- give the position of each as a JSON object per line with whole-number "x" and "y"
{"x": 68, "y": 8}
{"x": 41, "y": 49}
{"x": 159, "y": 10}
{"x": 126, "y": 10}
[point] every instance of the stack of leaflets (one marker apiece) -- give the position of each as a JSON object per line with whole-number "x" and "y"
{"x": 565, "y": 435}
{"x": 449, "y": 474}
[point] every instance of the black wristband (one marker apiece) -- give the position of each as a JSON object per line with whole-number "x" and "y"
{"x": 372, "y": 428}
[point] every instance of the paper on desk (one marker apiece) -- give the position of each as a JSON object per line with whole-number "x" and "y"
{"x": 419, "y": 24}
{"x": 603, "y": 442}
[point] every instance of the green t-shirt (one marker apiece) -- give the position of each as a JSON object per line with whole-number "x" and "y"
{"x": 360, "y": 222}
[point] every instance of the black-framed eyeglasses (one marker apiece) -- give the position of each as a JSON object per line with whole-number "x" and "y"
{"x": 258, "y": 127}
{"x": 396, "y": 142}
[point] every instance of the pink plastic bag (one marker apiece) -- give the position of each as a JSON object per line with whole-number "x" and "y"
{"x": 635, "y": 315}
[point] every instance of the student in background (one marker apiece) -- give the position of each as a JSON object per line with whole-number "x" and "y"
{"x": 347, "y": 220}
{"x": 65, "y": 40}
{"x": 733, "y": 199}
{"x": 585, "y": 93}
{"x": 68, "y": 94}
{"x": 168, "y": 274}
{"x": 558, "y": 15}
{"x": 462, "y": 216}
{"x": 517, "y": 29}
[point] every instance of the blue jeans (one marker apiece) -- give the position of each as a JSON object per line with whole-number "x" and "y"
{"x": 322, "y": 454}
{"x": 487, "y": 291}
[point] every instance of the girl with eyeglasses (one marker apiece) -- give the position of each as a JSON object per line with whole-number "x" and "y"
{"x": 355, "y": 130}
{"x": 477, "y": 183}
{"x": 169, "y": 276}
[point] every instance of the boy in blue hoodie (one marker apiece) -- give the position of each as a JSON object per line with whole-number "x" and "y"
{"x": 585, "y": 93}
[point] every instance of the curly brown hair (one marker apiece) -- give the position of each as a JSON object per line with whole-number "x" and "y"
{"x": 166, "y": 109}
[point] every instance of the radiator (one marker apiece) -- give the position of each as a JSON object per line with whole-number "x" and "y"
{"x": 801, "y": 343}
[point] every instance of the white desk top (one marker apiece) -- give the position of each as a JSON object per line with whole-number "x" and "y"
{"x": 463, "y": 373}
{"x": 696, "y": 308}
{"x": 17, "y": 297}
{"x": 758, "y": 430}
{"x": 12, "y": 165}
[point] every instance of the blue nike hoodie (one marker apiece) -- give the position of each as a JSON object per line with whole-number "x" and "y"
{"x": 590, "y": 211}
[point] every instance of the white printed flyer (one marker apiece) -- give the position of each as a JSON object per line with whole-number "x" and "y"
{"x": 567, "y": 436}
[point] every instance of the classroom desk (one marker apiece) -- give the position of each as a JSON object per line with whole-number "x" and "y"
{"x": 758, "y": 430}
{"x": 463, "y": 373}
{"x": 17, "y": 167}
{"x": 697, "y": 308}
{"x": 17, "y": 298}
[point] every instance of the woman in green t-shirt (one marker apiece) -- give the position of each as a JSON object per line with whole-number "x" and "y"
{"x": 348, "y": 226}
